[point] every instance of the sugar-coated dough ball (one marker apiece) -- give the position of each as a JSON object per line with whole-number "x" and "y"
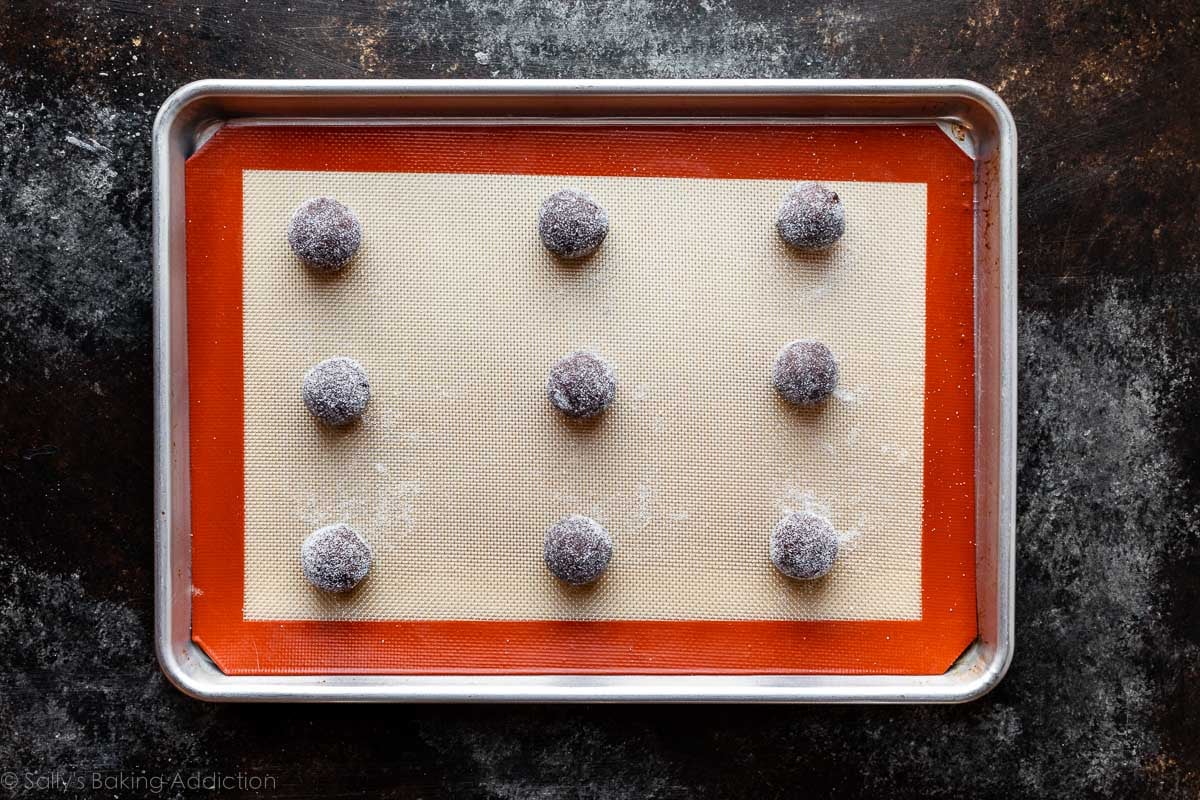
{"x": 811, "y": 217}
{"x": 577, "y": 549}
{"x": 324, "y": 234}
{"x": 805, "y": 372}
{"x": 335, "y": 558}
{"x": 572, "y": 224}
{"x": 581, "y": 384}
{"x": 336, "y": 390}
{"x": 803, "y": 546}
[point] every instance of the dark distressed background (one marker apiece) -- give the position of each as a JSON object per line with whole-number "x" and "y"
{"x": 1103, "y": 698}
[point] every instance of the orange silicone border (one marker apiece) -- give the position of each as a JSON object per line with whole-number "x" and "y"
{"x": 214, "y": 297}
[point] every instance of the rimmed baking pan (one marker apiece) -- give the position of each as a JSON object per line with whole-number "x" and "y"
{"x": 459, "y": 464}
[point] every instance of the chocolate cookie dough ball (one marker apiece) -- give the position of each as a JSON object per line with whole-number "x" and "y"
{"x": 336, "y": 390}
{"x": 335, "y": 558}
{"x": 581, "y": 384}
{"x": 811, "y": 217}
{"x": 572, "y": 224}
{"x": 324, "y": 234}
{"x": 805, "y": 372}
{"x": 577, "y": 549}
{"x": 803, "y": 546}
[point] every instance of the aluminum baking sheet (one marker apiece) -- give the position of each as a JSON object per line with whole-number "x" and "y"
{"x": 970, "y": 116}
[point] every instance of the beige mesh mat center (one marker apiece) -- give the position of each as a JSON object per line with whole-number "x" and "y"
{"x": 457, "y": 313}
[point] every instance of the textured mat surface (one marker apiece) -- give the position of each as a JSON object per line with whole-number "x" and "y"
{"x": 457, "y": 312}
{"x": 460, "y": 464}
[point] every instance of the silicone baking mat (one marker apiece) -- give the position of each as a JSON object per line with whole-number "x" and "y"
{"x": 457, "y": 312}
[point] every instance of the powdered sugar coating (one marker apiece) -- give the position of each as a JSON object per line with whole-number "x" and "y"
{"x": 811, "y": 217}
{"x": 336, "y": 390}
{"x": 335, "y": 558}
{"x": 803, "y": 546}
{"x": 324, "y": 234}
{"x": 577, "y": 549}
{"x": 581, "y": 384}
{"x": 805, "y": 372}
{"x": 572, "y": 224}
